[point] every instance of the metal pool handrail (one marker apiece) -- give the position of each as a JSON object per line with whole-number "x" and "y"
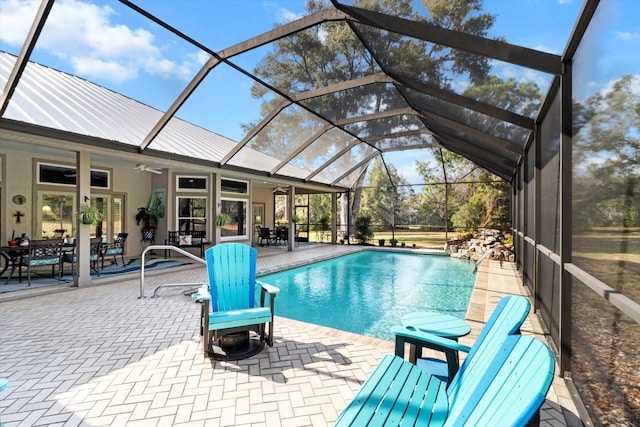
{"x": 165, "y": 247}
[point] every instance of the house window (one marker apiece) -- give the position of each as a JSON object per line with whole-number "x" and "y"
{"x": 191, "y": 183}
{"x": 237, "y": 210}
{"x": 56, "y": 212}
{"x": 234, "y": 186}
{"x": 66, "y": 175}
{"x": 192, "y": 213}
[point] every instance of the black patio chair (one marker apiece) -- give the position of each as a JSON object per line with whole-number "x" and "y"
{"x": 116, "y": 248}
{"x": 42, "y": 252}
{"x": 95, "y": 252}
{"x": 266, "y": 235}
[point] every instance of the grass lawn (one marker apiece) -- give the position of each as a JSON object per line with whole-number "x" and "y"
{"x": 422, "y": 239}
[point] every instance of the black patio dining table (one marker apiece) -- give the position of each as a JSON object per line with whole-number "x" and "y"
{"x": 10, "y": 258}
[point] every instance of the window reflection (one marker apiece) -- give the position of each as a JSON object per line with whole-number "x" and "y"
{"x": 606, "y": 219}
{"x": 607, "y": 187}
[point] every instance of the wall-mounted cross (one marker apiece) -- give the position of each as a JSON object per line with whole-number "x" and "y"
{"x": 18, "y": 216}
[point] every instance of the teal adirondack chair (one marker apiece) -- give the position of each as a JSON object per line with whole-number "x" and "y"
{"x": 505, "y": 387}
{"x": 235, "y": 308}
{"x": 505, "y": 320}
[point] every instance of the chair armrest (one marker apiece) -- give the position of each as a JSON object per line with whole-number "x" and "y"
{"x": 202, "y": 294}
{"x": 425, "y": 339}
{"x": 270, "y": 289}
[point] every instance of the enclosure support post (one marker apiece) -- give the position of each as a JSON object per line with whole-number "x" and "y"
{"x": 566, "y": 201}
{"x": 334, "y": 218}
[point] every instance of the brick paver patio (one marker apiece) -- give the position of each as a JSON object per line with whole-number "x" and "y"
{"x": 101, "y": 356}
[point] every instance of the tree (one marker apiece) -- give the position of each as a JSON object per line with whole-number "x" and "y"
{"x": 363, "y": 229}
{"x": 487, "y": 206}
{"x": 484, "y": 204}
{"x": 331, "y": 53}
{"x": 383, "y": 199}
{"x": 438, "y": 196}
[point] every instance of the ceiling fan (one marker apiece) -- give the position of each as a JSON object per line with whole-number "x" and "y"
{"x": 141, "y": 167}
{"x": 280, "y": 189}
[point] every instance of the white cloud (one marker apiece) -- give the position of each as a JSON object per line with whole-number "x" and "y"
{"x": 108, "y": 70}
{"x": 200, "y": 58}
{"x": 88, "y": 37}
{"x": 16, "y": 20}
{"x": 627, "y": 36}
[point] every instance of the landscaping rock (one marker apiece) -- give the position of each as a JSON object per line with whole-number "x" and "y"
{"x": 474, "y": 245}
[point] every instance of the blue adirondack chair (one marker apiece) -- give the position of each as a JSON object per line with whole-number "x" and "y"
{"x": 236, "y": 313}
{"x": 505, "y": 320}
{"x": 505, "y": 387}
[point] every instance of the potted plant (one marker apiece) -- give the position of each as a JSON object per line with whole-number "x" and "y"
{"x": 148, "y": 218}
{"x": 13, "y": 242}
{"x": 89, "y": 215}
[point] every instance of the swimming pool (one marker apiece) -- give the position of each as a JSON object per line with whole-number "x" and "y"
{"x": 367, "y": 292}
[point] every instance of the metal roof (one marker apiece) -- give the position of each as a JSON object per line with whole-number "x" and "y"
{"x": 310, "y": 131}
{"x": 56, "y": 100}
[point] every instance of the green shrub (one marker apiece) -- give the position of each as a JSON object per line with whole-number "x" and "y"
{"x": 363, "y": 229}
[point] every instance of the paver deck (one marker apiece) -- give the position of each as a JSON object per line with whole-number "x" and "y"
{"x": 101, "y": 356}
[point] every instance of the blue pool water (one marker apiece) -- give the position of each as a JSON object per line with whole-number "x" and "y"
{"x": 367, "y": 292}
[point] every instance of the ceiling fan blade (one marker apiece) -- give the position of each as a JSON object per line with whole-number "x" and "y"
{"x": 142, "y": 167}
{"x": 280, "y": 189}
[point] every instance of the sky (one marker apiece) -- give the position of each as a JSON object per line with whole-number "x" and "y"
{"x": 108, "y": 44}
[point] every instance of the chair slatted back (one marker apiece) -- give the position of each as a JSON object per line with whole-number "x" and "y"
{"x": 117, "y": 247}
{"x": 510, "y": 388}
{"x": 119, "y": 241}
{"x": 505, "y": 320}
{"x": 44, "y": 252}
{"x": 94, "y": 248}
{"x": 231, "y": 268}
{"x": 198, "y": 234}
{"x": 174, "y": 238}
